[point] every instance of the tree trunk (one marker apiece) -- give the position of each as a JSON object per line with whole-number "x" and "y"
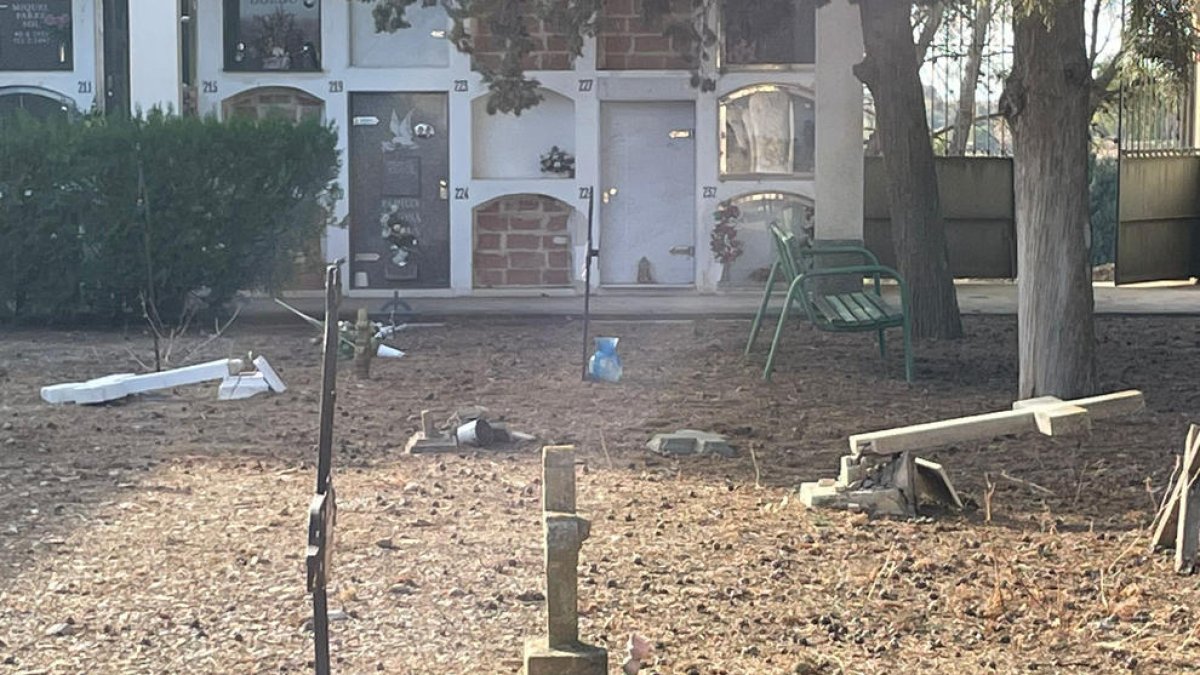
{"x": 891, "y": 71}
{"x": 964, "y": 119}
{"x": 1046, "y": 102}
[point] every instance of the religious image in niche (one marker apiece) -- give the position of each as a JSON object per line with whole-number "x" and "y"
{"x": 279, "y": 35}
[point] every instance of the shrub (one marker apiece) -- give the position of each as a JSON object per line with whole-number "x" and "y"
{"x": 94, "y": 216}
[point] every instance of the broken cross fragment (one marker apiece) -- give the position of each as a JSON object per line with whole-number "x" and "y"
{"x": 235, "y": 384}
{"x": 467, "y": 428}
{"x": 881, "y": 474}
{"x": 1177, "y": 523}
{"x": 1047, "y": 415}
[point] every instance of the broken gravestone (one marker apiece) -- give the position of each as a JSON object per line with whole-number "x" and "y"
{"x": 691, "y": 442}
{"x": 560, "y": 652}
{"x": 883, "y": 476}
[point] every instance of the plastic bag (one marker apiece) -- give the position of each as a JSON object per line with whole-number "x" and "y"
{"x": 605, "y": 364}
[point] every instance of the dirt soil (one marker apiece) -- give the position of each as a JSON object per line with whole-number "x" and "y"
{"x": 166, "y": 534}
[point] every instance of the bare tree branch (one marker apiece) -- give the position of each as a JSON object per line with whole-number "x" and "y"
{"x": 965, "y": 114}
{"x": 1102, "y": 81}
{"x": 929, "y": 29}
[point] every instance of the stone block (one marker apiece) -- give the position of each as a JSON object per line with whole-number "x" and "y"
{"x": 419, "y": 444}
{"x": 879, "y": 501}
{"x": 558, "y": 478}
{"x": 934, "y": 485}
{"x": 852, "y": 470}
{"x": 691, "y": 442}
{"x": 578, "y": 659}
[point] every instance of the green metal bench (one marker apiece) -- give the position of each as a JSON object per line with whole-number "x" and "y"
{"x": 856, "y": 311}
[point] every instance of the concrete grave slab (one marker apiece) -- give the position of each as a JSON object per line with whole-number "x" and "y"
{"x": 691, "y": 442}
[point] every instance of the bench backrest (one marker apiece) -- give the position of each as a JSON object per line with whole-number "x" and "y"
{"x": 787, "y": 249}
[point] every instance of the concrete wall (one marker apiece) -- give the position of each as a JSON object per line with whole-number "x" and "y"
{"x": 155, "y": 79}
{"x": 1158, "y": 231}
{"x": 977, "y": 202}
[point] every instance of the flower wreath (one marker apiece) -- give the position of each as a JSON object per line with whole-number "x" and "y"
{"x": 726, "y": 247}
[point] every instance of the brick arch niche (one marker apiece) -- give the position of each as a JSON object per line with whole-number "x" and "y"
{"x": 523, "y": 240}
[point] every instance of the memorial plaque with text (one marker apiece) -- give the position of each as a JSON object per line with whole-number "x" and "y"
{"x": 35, "y": 35}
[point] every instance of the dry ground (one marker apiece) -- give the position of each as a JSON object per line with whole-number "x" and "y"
{"x": 168, "y": 532}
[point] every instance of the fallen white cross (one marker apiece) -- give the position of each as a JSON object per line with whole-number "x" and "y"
{"x": 882, "y": 475}
{"x": 1047, "y": 415}
{"x": 113, "y": 387}
{"x": 242, "y": 385}
{"x": 235, "y": 384}
{"x": 245, "y": 385}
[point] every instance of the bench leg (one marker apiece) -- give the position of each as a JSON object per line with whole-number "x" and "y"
{"x": 783, "y": 315}
{"x": 882, "y": 344}
{"x": 762, "y": 309}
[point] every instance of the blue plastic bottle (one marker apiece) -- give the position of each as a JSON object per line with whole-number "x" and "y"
{"x": 605, "y": 364}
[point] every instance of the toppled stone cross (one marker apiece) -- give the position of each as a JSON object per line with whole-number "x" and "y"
{"x": 561, "y": 652}
{"x": 882, "y": 475}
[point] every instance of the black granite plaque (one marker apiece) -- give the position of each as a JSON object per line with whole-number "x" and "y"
{"x": 35, "y": 35}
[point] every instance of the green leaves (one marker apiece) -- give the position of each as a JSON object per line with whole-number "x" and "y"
{"x": 1163, "y": 35}
{"x": 224, "y": 207}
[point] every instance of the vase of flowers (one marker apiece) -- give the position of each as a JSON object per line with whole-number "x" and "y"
{"x": 558, "y": 162}
{"x": 724, "y": 242}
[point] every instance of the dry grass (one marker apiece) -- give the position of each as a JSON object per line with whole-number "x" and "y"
{"x": 168, "y": 533}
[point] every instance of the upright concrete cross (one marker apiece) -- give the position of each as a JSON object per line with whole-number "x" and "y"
{"x": 561, "y": 652}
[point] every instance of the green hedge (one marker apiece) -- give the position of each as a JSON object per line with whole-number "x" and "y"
{"x": 96, "y": 214}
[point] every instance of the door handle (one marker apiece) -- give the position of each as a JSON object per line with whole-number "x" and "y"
{"x": 608, "y": 194}
{"x": 443, "y": 190}
{"x": 684, "y": 250}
